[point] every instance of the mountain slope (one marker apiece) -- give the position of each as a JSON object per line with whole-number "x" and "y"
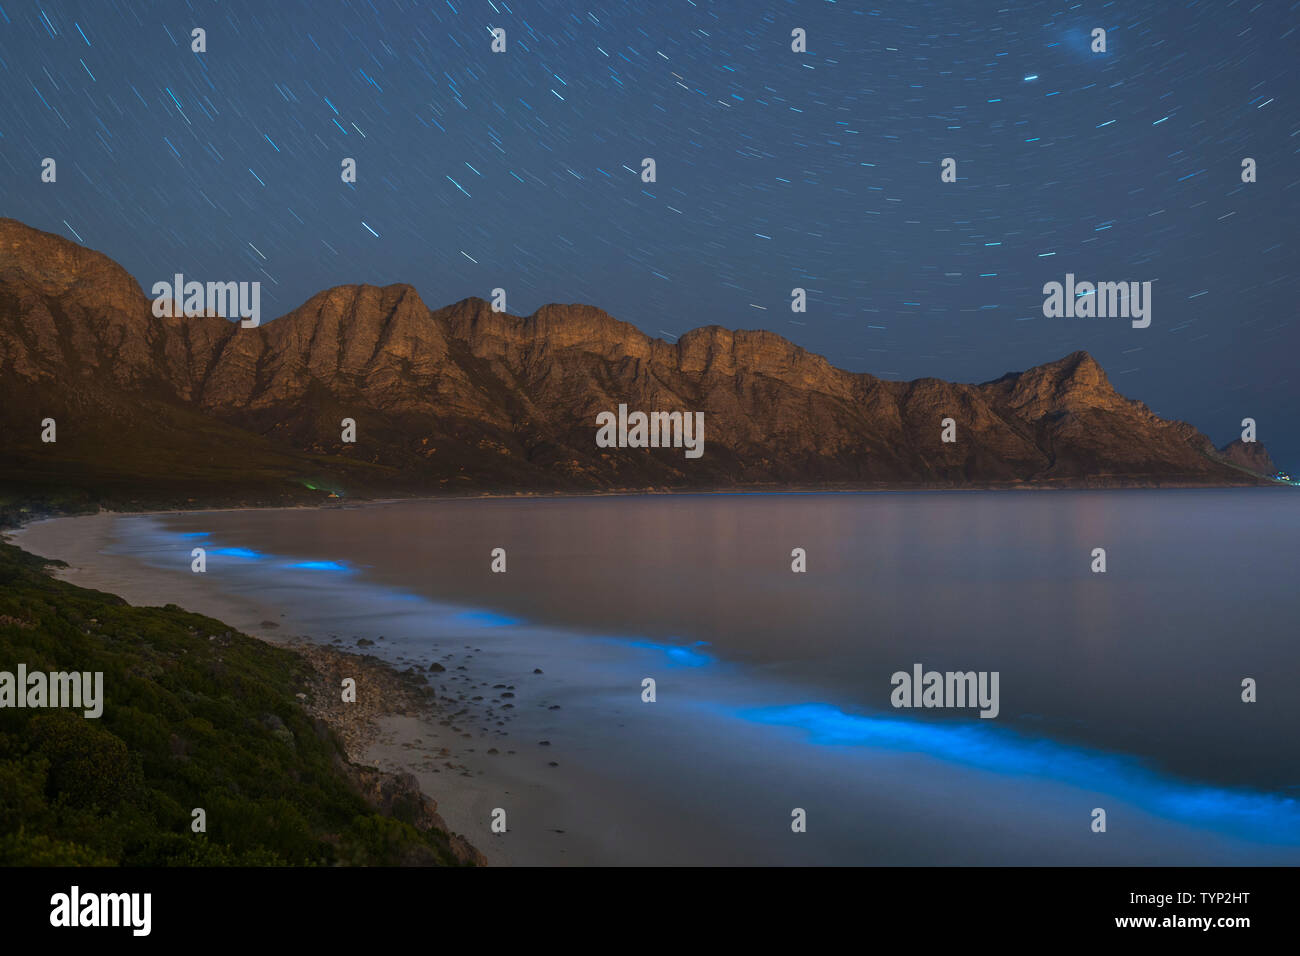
{"x": 464, "y": 398}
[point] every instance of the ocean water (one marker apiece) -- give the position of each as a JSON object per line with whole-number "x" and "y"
{"x": 1119, "y": 690}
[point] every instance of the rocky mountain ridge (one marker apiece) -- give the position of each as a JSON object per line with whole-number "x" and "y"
{"x": 462, "y": 398}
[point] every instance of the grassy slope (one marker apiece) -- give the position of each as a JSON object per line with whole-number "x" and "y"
{"x": 187, "y": 722}
{"x": 151, "y": 455}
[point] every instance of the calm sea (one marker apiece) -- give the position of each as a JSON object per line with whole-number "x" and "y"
{"x": 1124, "y": 685}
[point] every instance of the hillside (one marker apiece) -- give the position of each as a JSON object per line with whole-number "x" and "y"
{"x": 166, "y": 412}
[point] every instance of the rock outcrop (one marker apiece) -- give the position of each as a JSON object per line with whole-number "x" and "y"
{"x": 463, "y": 398}
{"x": 1250, "y": 455}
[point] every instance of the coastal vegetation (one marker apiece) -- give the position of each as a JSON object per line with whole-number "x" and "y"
{"x": 196, "y": 716}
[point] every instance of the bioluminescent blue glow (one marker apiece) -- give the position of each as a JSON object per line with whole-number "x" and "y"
{"x": 248, "y": 553}
{"x": 251, "y": 555}
{"x": 485, "y": 619}
{"x": 1255, "y": 816}
{"x": 680, "y": 656}
{"x": 321, "y": 566}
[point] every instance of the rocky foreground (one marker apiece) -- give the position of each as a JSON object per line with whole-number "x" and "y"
{"x": 381, "y": 690}
{"x": 212, "y": 749}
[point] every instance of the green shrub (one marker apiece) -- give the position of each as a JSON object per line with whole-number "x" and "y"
{"x": 187, "y": 723}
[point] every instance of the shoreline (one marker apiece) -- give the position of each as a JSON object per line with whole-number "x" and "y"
{"x": 390, "y": 731}
{"x": 29, "y": 519}
{"x": 614, "y": 792}
{"x": 374, "y": 735}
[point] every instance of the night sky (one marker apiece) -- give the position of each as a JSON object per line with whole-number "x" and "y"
{"x": 775, "y": 169}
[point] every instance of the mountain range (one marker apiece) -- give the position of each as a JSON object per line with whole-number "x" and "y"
{"x": 176, "y": 410}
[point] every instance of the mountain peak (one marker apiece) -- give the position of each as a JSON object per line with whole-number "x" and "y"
{"x": 464, "y": 397}
{"x": 362, "y": 296}
{"x": 1081, "y": 363}
{"x": 1252, "y": 456}
{"x": 492, "y": 334}
{"x": 1074, "y": 382}
{"x": 53, "y": 265}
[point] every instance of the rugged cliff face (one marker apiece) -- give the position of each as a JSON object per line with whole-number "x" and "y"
{"x": 1249, "y": 455}
{"x": 462, "y": 398}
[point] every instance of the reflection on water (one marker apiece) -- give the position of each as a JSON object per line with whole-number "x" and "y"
{"x": 1147, "y": 658}
{"x": 1126, "y": 683}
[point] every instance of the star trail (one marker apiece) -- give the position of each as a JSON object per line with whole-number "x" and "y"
{"x": 775, "y": 169}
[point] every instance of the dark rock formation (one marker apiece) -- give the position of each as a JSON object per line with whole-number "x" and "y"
{"x": 1249, "y": 455}
{"x": 398, "y": 795}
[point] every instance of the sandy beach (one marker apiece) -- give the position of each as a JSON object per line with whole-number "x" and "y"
{"x": 544, "y": 719}
{"x": 466, "y": 778}
{"x": 576, "y": 791}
